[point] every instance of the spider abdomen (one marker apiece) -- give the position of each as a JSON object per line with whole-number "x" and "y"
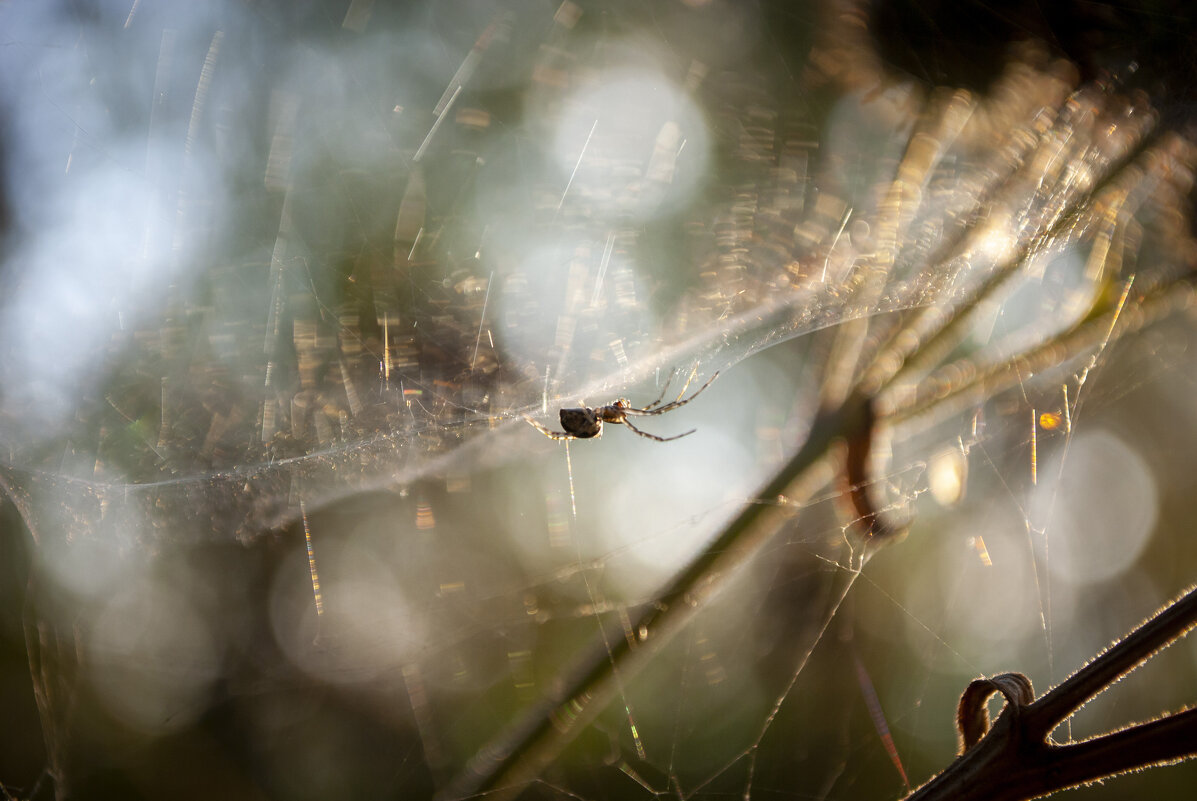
{"x": 581, "y": 423}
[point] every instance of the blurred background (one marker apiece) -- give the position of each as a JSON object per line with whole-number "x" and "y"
{"x": 279, "y": 282}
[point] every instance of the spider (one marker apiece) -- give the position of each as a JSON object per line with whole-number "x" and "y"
{"x": 587, "y": 422}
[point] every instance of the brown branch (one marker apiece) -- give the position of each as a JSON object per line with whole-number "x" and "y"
{"x": 1162, "y": 629}
{"x": 1017, "y": 760}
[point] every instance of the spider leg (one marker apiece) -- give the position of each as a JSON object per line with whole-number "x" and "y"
{"x": 668, "y": 407}
{"x": 647, "y": 435}
{"x": 558, "y": 435}
{"x": 664, "y": 389}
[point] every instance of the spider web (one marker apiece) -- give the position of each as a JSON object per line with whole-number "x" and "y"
{"x": 290, "y": 279}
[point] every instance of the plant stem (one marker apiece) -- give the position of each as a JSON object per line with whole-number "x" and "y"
{"x": 1017, "y": 760}
{"x": 517, "y": 755}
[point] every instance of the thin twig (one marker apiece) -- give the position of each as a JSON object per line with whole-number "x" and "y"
{"x": 935, "y": 330}
{"x": 962, "y": 383}
{"x": 1162, "y": 629}
{"x": 517, "y": 755}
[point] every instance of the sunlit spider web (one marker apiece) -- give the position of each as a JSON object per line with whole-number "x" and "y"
{"x": 264, "y": 381}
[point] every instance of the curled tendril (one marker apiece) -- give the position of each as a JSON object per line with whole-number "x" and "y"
{"x": 972, "y": 714}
